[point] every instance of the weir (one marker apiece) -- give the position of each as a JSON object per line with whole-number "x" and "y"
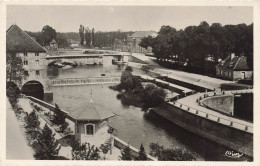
{"x": 86, "y": 81}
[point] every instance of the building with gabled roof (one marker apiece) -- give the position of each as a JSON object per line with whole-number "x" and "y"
{"x": 19, "y": 41}
{"x": 135, "y": 39}
{"x": 33, "y": 56}
{"x": 234, "y": 68}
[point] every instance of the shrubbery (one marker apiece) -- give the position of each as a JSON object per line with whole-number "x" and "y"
{"x": 32, "y": 121}
{"x": 84, "y": 152}
{"x": 176, "y": 154}
{"x": 13, "y": 93}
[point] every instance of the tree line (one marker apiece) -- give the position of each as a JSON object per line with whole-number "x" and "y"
{"x": 193, "y": 45}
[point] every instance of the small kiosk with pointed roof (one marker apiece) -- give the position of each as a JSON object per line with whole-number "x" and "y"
{"x": 91, "y": 124}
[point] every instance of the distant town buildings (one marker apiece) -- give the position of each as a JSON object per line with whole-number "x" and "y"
{"x": 234, "y": 68}
{"x": 131, "y": 44}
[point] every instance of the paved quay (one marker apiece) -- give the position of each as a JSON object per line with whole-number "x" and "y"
{"x": 195, "y": 79}
{"x": 190, "y": 101}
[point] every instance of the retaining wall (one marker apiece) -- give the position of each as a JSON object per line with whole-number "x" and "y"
{"x": 224, "y": 135}
{"x": 120, "y": 144}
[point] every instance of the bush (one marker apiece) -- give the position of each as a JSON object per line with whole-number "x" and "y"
{"x": 126, "y": 155}
{"x": 13, "y": 93}
{"x": 176, "y": 154}
{"x": 32, "y": 121}
{"x": 84, "y": 152}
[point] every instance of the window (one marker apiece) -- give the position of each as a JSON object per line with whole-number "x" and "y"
{"x": 25, "y": 54}
{"x": 89, "y": 129}
{"x": 36, "y": 54}
{"x": 37, "y": 72}
{"x": 25, "y": 62}
{"x": 37, "y": 62}
{"x": 26, "y": 73}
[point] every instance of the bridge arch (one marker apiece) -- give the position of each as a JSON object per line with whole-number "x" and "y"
{"x": 33, "y": 88}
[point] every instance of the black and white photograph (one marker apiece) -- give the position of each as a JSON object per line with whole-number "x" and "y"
{"x": 129, "y": 82}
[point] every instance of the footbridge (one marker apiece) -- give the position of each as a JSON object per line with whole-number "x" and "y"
{"x": 86, "y": 81}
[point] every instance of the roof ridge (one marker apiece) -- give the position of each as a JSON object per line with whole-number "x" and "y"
{"x": 236, "y": 63}
{"x": 95, "y": 109}
{"x": 8, "y": 30}
{"x": 33, "y": 39}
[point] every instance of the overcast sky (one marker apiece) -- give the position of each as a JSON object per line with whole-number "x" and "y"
{"x": 134, "y": 18}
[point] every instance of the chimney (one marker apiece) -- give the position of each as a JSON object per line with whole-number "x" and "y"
{"x": 232, "y": 55}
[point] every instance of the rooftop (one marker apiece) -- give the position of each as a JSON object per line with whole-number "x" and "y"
{"x": 237, "y": 63}
{"x": 91, "y": 111}
{"x": 19, "y": 41}
{"x": 144, "y": 34}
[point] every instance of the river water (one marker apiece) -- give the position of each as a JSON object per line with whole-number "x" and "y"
{"x": 132, "y": 125}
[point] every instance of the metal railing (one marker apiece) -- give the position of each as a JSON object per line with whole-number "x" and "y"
{"x": 215, "y": 118}
{"x": 86, "y": 80}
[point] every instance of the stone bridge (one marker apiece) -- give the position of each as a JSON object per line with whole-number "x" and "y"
{"x": 84, "y": 59}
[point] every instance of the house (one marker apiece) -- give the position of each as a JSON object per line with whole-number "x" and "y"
{"x": 234, "y": 68}
{"x": 134, "y": 40}
{"x": 91, "y": 124}
{"x": 131, "y": 44}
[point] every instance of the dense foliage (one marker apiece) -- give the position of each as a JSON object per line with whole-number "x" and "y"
{"x": 193, "y": 45}
{"x": 176, "y": 154}
{"x": 48, "y": 34}
{"x": 14, "y": 69}
{"x": 46, "y": 146}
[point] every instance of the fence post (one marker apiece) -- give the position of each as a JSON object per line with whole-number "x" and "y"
{"x": 246, "y": 128}
{"x": 218, "y": 119}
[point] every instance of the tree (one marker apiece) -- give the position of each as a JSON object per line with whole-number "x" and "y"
{"x": 14, "y": 68}
{"x": 32, "y": 121}
{"x": 126, "y": 155}
{"x": 59, "y": 118}
{"x": 46, "y": 146}
{"x": 128, "y": 81}
{"x": 153, "y": 96}
{"x": 146, "y": 42}
{"x": 142, "y": 155}
{"x": 48, "y": 33}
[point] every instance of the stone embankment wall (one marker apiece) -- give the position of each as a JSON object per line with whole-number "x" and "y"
{"x": 134, "y": 59}
{"x": 224, "y": 104}
{"x": 120, "y": 144}
{"x": 224, "y": 135}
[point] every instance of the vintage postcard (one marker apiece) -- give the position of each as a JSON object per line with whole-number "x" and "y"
{"x": 129, "y": 83}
